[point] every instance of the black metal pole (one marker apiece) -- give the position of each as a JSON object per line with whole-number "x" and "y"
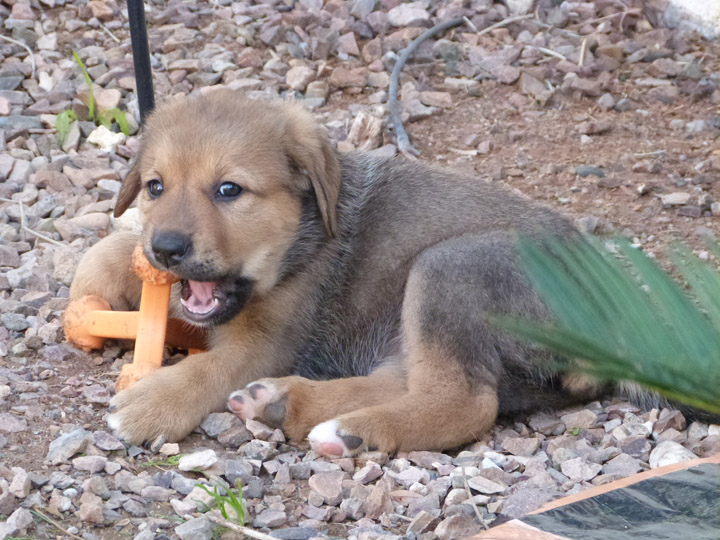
{"x": 141, "y": 57}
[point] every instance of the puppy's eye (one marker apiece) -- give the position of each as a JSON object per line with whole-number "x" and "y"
{"x": 229, "y": 190}
{"x": 154, "y": 188}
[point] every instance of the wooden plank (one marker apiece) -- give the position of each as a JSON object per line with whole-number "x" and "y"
{"x": 517, "y": 530}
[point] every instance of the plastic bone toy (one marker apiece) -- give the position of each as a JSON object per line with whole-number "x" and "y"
{"x": 89, "y": 321}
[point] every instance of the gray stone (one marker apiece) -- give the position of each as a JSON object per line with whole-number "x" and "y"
{"x": 10, "y": 423}
{"x": 579, "y": 469}
{"x": 195, "y": 529}
{"x": 329, "y": 486}
{"x": 407, "y": 14}
{"x": 14, "y": 322}
{"x": 294, "y": 533}
{"x": 91, "y": 464}
{"x": 675, "y": 199}
{"x": 216, "y": 423}
{"x": 526, "y": 499}
{"x": 622, "y": 465}
{"x": 521, "y": 446}
{"x": 483, "y": 485}
{"x": 67, "y": 445}
{"x": 669, "y": 453}
{"x": 270, "y": 519}
{"x": 457, "y": 527}
{"x": 582, "y": 419}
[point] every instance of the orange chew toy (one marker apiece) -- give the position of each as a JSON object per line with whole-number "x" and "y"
{"x": 88, "y": 321}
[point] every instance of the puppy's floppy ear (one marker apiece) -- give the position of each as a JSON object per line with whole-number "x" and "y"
{"x": 129, "y": 189}
{"x": 309, "y": 149}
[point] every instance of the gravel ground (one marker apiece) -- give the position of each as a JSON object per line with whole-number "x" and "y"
{"x": 586, "y": 106}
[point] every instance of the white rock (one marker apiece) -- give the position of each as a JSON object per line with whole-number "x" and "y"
{"x": 198, "y": 460}
{"x": 669, "y": 452}
{"x": 404, "y": 14}
{"x": 106, "y": 139}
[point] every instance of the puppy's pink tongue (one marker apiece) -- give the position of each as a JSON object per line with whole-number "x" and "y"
{"x": 201, "y": 299}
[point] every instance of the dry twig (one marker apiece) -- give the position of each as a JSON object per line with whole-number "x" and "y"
{"x": 395, "y": 109}
{"x": 238, "y": 528}
{"x": 475, "y": 507}
{"x": 28, "y": 229}
{"x": 24, "y": 46}
{"x": 54, "y": 523}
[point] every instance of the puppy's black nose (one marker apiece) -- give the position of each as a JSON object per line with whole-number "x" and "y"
{"x": 170, "y": 247}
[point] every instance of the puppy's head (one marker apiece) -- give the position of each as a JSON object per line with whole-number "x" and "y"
{"x": 220, "y": 181}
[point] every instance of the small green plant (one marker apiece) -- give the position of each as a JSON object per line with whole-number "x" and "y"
{"x": 171, "y": 461}
{"x": 230, "y": 499}
{"x": 106, "y": 117}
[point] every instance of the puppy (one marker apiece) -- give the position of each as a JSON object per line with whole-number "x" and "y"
{"x": 344, "y": 295}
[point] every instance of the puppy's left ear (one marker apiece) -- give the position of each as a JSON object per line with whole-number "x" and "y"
{"x": 129, "y": 189}
{"x": 309, "y": 148}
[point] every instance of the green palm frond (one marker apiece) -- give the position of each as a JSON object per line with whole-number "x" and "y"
{"x": 621, "y": 317}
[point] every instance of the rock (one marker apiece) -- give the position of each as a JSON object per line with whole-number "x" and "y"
{"x": 20, "y": 485}
{"x": 579, "y": 469}
{"x": 344, "y": 78}
{"x": 216, "y": 423}
{"x": 201, "y": 460}
{"x": 675, "y": 199}
{"x": 483, "y": 485}
{"x": 457, "y": 527}
{"x": 346, "y": 44}
{"x": 366, "y": 131}
{"x": 14, "y": 322}
{"x": 669, "y": 453}
{"x": 521, "y": 446}
{"x": 105, "y": 441}
{"x": 436, "y": 99}
{"x": 588, "y": 87}
{"x": 91, "y": 464}
{"x": 606, "y": 102}
{"x": 408, "y": 15}
{"x": 270, "y": 519}
{"x": 91, "y": 508}
{"x": 622, "y": 465}
{"x": 595, "y": 128}
{"x": 67, "y": 445}
{"x": 106, "y": 139}
{"x": 526, "y": 499}
{"x": 97, "y": 393}
{"x": 299, "y": 77}
{"x": 583, "y": 419}
{"x": 199, "y": 528}
{"x": 362, "y": 8}
{"x": 10, "y": 423}
{"x": 329, "y": 486}
{"x": 506, "y": 74}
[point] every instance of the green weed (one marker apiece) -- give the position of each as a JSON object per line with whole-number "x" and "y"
{"x": 230, "y": 499}
{"x": 106, "y": 117}
{"x": 171, "y": 461}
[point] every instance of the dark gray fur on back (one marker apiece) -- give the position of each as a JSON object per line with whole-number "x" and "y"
{"x": 456, "y": 232}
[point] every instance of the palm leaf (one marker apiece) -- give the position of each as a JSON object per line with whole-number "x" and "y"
{"x": 623, "y": 318}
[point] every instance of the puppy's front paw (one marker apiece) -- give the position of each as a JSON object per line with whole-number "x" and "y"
{"x": 264, "y": 400}
{"x": 331, "y": 440}
{"x": 155, "y": 407}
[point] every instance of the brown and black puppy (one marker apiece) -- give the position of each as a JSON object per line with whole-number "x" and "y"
{"x": 362, "y": 283}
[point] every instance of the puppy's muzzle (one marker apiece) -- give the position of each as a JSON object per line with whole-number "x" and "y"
{"x": 170, "y": 247}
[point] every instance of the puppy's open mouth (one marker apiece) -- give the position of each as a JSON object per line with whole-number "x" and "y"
{"x": 201, "y": 299}
{"x": 214, "y": 302}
